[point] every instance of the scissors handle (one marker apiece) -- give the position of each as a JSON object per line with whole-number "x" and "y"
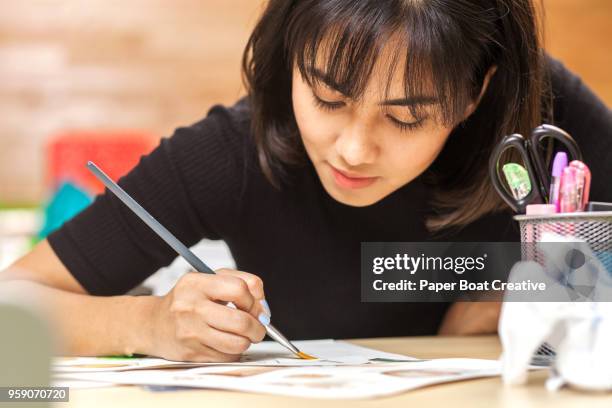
{"x": 544, "y": 132}
{"x": 515, "y": 141}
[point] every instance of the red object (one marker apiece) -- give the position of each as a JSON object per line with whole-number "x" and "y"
{"x": 116, "y": 152}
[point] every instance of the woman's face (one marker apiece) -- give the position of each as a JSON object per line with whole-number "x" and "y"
{"x": 363, "y": 150}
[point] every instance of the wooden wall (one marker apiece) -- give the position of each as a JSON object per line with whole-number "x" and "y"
{"x": 159, "y": 64}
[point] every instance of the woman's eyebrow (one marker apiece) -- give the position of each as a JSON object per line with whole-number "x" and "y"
{"x": 319, "y": 75}
{"x": 411, "y": 101}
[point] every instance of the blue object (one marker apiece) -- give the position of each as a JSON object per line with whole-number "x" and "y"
{"x": 67, "y": 202}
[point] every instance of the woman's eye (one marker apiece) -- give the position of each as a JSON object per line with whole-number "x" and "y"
{"x": 406, "y": 125}
{"x": 328, "y": 105}
{"x": 334, "y": 105}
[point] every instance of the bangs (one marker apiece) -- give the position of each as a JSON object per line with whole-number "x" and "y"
{"x": 345, "y": 40}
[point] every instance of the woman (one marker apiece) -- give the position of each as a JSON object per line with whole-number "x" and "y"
{"x": 365, "y": 121}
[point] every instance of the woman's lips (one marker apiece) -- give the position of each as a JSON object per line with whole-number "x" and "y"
{"x": 350, "y": 180}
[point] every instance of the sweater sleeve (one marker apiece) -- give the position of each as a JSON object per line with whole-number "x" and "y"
{"x": 190, "y": 183}
{"x": 583, "y": 115}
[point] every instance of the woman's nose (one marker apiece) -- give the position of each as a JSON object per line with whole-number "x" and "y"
{"x": 356, "y": 146}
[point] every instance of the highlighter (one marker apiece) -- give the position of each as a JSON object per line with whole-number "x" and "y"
{"x": 568, "y": 191}
{"x": 559, "y": 163}
{"x": 583, "y": 180}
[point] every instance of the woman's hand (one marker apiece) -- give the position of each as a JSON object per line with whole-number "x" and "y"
{"x": 193, "y": 323}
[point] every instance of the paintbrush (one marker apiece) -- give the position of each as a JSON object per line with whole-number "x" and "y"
{"x": 179, "y": 247}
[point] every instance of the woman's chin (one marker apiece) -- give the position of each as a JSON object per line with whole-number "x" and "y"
{"x": 353, "y": 198}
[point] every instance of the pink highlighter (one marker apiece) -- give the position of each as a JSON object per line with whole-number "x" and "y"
{"x": 583, "y": 181}
{"x": 568, "y": 191}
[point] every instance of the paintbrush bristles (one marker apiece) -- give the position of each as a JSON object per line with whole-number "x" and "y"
{"x": 305, "y": 356}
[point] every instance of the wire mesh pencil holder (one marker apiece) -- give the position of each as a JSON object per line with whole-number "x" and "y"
{"x": 595, "y": 228}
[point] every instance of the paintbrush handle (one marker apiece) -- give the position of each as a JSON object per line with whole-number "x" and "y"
{"x": 171, "y": 240}
{"x": 148, "y": 219}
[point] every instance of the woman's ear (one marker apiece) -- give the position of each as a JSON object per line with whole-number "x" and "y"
{"x": 485, "y": 84}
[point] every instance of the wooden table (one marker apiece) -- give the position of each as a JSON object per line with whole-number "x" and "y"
{"x": 488, "y": 392}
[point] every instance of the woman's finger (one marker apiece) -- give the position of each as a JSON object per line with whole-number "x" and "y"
{"x": 194, "y": 350}
{"x": 233, "y": 321}
{"x": 256, "y": 287}
{"x": 254, "y": 282}
{"x": 228, "y": 288}
{"x": 224, "y": 342}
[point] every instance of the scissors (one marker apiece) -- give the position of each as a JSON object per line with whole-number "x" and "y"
{"x": 533, "y": 156}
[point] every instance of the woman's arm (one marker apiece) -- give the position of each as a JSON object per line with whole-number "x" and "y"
{"x": 41, "y": 265}
{"x": 86, "y": 325}
{"x": 187, "y": 324}
{"x": 465, "y": 318}
{"x": 190, "y": 183}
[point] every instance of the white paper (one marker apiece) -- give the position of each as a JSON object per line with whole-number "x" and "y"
{"x": 267, "y": 353}
{"x": 80, "y": 384}
{"x": 339, "y": 382}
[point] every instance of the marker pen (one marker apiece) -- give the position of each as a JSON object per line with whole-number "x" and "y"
{"x": 541, "y": 209}
{"x": 559, "y": 163}
{"x": 584, "y": 182}
{"x": 580, "y": 183}
{"x": 568, "y": 191}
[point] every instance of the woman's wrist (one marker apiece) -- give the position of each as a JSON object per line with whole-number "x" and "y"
{"x": 135, "y": 329}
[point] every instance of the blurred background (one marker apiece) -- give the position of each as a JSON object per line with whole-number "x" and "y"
{"x": 104, "y": 80}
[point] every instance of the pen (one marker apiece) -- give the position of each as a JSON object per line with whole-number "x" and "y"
{"x": 568, "y": 191}
{"x": 179, "y": 247}
{"x": 559, "y": 163}
{"x": 584, "y": 182}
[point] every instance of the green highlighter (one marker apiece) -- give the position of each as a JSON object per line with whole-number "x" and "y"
{"x": 518, "y": 180}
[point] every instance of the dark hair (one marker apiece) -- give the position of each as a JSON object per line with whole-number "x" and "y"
{"x": 451, "y": 46}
